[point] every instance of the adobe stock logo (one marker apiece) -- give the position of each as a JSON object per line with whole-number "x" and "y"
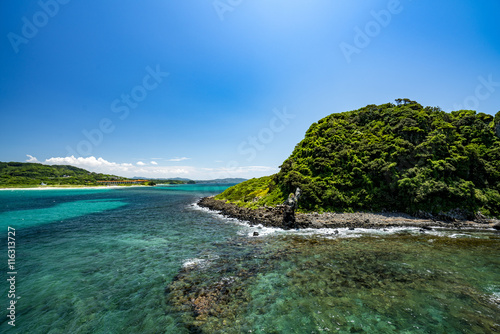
{"x": 120, "y": 106}
{"x": 253, "y": 144}
{"x": 223, "y": 6}
{"x": 371, "y": 30}
{"x": 483, "y": 91}
{"x": 40, "y": 19}
{"x": 250, "y": 147}
{"x": 257, "y": 143}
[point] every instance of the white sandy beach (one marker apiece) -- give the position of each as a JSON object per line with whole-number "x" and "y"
{"x": 73, "y": 187}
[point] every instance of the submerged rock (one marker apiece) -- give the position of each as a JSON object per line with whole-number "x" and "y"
{"x": 260, "y": 285}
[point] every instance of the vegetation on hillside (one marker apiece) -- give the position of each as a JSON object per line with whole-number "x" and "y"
{"x": 253, "y": 193}
{"x": 393, "y": 157}
{"x": 165, "y": 181}
{"x": 15, "y": 174}
{"x": 25, "y": 174}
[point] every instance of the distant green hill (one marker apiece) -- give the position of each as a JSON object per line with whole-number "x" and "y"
{"x": 14, "y": 174}
{"x": 221, "y": 181}
{"x": 396, "y": 157}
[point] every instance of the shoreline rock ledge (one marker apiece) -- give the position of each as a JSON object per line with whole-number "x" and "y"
{"x": 273, "y": 217}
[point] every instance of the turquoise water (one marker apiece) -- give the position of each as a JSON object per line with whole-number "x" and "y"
{"x": 146, "y": 260}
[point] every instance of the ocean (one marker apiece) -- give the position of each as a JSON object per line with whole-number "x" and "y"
{"x": 149, "y": 260}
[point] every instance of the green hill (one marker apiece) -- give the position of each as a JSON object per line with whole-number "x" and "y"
{"x": 16, "y": 174}
{"x": 392, "y": 157}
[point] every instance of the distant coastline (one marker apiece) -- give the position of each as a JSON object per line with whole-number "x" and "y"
{"x": 72, "y": 187}
{"x": 26, "y": 175}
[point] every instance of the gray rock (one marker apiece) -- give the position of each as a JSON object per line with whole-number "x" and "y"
{"x": 317, "y": 224}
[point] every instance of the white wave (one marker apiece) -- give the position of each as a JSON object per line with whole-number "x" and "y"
{"x": 190, "y": 263}
{"x": 196, "y": 207}
{"x": 200, "y": 262}
{"x": 249, "y": 229}
{"x": 495, "y": 299}
{"x": 494, "y": 295}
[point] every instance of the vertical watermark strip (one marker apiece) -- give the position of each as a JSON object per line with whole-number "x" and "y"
{"x": 11, "y": 274}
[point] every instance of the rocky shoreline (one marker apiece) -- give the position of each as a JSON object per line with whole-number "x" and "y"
{"x": 273, "y": 217}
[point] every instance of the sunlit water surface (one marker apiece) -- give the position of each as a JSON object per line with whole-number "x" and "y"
{"x": 146, "y": 260}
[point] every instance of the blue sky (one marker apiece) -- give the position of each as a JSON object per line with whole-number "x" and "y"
{"x": 206, "y": 89}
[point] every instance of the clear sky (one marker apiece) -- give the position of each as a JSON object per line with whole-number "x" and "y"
{"x": 206, "y": 89}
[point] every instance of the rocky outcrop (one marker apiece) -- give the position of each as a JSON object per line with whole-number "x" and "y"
{"x": 267, "y": 216}
{"x": 289, "y": 208}
{"x": 273, "y": 217}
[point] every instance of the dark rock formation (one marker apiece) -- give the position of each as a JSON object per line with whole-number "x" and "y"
{"x": 289, "y": 208}
{"x": 274, "y": 217}
{"x": 271, "y": 217}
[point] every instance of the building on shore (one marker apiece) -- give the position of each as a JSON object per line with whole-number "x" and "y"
{"x": 113, "y": 182}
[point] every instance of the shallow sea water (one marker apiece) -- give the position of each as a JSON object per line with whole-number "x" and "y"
{"x": 146, "y": 260}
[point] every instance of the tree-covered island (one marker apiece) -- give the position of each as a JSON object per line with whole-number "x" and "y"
{"x": 400, "y": 157}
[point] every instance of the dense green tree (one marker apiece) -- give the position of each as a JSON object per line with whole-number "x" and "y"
{"x": 496, "y": 124}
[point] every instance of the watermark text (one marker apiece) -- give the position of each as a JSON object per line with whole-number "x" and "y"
{"x": 482, "y": 92}
{"x": 223, "y": 6}
{"x": 11, "y": 274}
{"x": 120, "y": 106}
{"x": 31, "y": 27}
{"x": 373, "y": 28}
